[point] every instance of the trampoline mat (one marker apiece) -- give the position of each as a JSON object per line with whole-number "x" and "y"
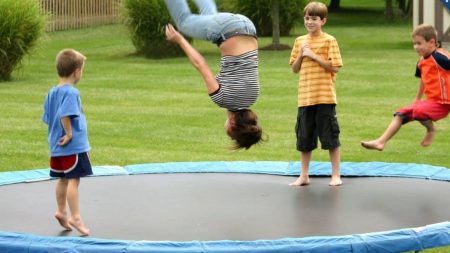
{"x": 229, "y": 206}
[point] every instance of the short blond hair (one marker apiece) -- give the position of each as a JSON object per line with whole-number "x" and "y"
{"x": 316, "y": 9}
{"x": 67, "y": 61}
{"x": 426, "y": 31}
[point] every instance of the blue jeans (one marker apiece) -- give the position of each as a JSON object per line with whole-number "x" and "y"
{"x": 209, "y": 25}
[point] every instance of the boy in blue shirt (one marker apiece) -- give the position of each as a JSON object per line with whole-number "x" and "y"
{"x": 67, "y": 138}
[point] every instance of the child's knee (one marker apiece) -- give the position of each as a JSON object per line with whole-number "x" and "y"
{"x": 405, "y": 118}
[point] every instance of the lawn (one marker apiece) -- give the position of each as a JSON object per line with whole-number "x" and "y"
{"x": 142, "y": 110}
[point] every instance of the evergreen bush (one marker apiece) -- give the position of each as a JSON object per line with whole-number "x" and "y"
{"x": 259, "y": 11}
{"x": 21, "y": 25}
{"x": 146, "y": 20}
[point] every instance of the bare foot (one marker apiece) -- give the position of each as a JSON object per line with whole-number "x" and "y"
{"x": 78, "y": 225}
{"x": 301, "y": 181}
{"x": 428, "y": 139}
{"x": 335, "y": 181}
{"x": 62, "y": 219}
{"x": 372, "y": 145}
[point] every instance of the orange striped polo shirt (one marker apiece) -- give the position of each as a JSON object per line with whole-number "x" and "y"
{"x": 317, "y": 85}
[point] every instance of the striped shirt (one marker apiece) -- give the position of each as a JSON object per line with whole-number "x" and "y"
{"x": 238, "y": 81}
{"x": 317, "y": 85}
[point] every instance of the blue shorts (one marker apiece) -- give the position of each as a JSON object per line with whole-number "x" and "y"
{"x": 71, "y": 166}
{"x": 317, "y": 122}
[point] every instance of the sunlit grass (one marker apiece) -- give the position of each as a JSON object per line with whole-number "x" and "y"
{"x": 141, "y": 110}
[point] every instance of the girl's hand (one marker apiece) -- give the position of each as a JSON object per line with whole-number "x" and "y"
{"x": 172, "y": 34}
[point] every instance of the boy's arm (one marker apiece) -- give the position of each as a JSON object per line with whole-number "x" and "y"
{"x": 296, "y": 57}
{"x": 196, "y": 59}
{"x": 307, "y": 52}
{"x": 66, "y": 123}
{"x": 297, "y": 65}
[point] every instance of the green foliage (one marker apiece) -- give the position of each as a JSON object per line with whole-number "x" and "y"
{"x": 146, "y": 20}
{"x": 21, "y": 25}
{"x": 259, "y": 11}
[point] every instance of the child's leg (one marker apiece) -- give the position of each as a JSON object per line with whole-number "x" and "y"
{"x": 431, "y": 131}
{"x": 73, "y": 201}
{"x": 192, "y": 25}
{"x": 61, "y": 197}
{"x": 335, "y": 158}
{"x": 206, "y": 7}
{"x": 303, "y": 179}
{"x": 390, "y": 131}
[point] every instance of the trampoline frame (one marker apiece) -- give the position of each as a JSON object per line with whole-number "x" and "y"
{"x": 408, "y": 239}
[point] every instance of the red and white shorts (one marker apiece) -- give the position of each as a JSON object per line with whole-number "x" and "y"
{"x": 424, "y": 110}
{"x": 71, "y": 166}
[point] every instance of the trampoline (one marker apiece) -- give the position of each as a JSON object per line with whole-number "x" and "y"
{"x": 233, "y": 207}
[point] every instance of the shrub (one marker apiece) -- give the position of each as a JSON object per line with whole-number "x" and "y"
{"x": 146, "y": 20}
{"x": 259, "y": 11}
{"x": 20, "y": 27}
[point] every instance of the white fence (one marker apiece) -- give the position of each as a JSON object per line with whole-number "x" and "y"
{"x": 69, "y": 14}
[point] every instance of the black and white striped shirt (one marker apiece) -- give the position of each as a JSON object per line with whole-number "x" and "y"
{"x": 238, "y": 81}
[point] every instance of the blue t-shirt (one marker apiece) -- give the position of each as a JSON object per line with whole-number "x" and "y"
{"x": 64, "y": 101}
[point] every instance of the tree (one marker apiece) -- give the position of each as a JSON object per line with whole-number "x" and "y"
{"x": 334, "y": 5}
{"x": 146, "y": 20}
{"x": 389, "y": 10}
{"x": 21, "y": 26}
{"x": 260, "y": 12}
{"x": 406, "y": 7}
{"x": 275, "y": 13}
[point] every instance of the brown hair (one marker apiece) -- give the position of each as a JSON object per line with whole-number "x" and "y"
{"x": 426, "y": 31}
{"x": 67, "y": 61}
{"x": 316, "y": 9}
{"x": 245, "y": 131}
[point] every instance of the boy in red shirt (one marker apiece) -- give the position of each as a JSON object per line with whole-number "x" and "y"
{"x": 433, "y": 69}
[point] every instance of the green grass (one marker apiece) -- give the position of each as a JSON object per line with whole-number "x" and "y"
{"x": 142, "y": 111}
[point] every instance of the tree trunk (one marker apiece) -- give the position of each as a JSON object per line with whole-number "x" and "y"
{"x": 389, "y": 10}
{"x": 409, "y": 8}
{"x": 335, "y": 5}
{"x": 275, "y": 22}
{"x": 275, "y": 13}
{"x": 402, "y": 6}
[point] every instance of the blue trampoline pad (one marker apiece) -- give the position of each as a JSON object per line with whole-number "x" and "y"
{"x": 237, "y": 207}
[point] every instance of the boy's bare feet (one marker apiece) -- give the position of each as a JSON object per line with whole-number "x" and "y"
{"x": 428, "y": 139}
{"x": 372, "y": 145}
{"x": 335, "y": 181}
{"x": 78, "y": 225}
{"x": 62, "y": 219}
{"x": 301, "y": 181}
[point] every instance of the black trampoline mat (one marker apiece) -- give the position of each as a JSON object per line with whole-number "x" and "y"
{"x": 222, "y": 206}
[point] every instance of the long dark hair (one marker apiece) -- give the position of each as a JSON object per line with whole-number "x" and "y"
{"x": 245, "y": 131}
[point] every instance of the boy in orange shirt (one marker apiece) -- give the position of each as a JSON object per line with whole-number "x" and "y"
{"x": 317, "y": 59}
{"x": 433, "y": 69}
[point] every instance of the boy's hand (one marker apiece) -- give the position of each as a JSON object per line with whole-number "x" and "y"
{"x": 172, "y": 34}
{"x": 64, "y": 140}
{"x": 306, "y": 51}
